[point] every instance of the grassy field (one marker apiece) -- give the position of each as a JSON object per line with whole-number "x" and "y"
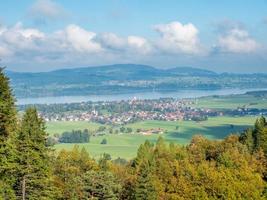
{"x": 232, "y": 102}
{"x": 125, "y": 145}
{"x": 60, "y": 127}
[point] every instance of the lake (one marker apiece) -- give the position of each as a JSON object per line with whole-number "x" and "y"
{"x": 144, "y": 95}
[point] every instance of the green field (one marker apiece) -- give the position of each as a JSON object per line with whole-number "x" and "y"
{"x": 60, "y": 127}
{"x": 232, "y": 102}
{"x": 125, "y": 145}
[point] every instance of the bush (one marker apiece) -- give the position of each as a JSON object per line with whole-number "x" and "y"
{"x": 104, "y": 141}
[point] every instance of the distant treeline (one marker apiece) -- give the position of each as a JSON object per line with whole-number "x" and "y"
{"x": 261, "y": 93}
{"x": 75, "y": 136}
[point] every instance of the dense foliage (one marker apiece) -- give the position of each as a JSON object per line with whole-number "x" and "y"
{"x": 75, "y": 136}
{"x": 233, "y": 168}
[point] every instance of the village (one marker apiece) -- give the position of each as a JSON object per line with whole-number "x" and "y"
{"x": 130, "y": 111}
{"x": 125, "y": 112}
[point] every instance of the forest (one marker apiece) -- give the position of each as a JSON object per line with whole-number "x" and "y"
{"x": 232, "y": 168}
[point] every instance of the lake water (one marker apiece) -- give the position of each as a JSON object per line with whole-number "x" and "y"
{"x": 144, "y": 95}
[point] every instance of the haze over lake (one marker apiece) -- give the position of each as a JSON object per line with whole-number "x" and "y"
{"x": 144, "y": 95}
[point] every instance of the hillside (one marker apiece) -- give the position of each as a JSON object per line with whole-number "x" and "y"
{"x": 126, "y": 78}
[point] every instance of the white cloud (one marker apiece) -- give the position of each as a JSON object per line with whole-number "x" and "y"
{"x": 139, "y": 44}
{"x": 237, "y": 40}
{"x": 18, "y": 38}
{"x": 74, "y": 44}
{"x": 111, "y": 41}
{"x": 29, "y": 33}
{"x": 81, "y": 39}
{"x": 178, "y": 38}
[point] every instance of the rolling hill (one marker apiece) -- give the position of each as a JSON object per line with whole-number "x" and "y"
{"x": 125, "y": 78}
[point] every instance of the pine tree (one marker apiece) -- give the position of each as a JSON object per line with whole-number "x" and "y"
{"x": 34, "y": 164}
{"x": 143, "y": 153}
{"x": 259, "y": 126}
{"x": 100, "y": 185}
{"x": 7, "y": 134}
{"x": 263, "y": 140}
{"x": 145, "y": 188}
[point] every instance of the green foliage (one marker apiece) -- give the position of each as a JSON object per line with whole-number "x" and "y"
{"x": 104, "y": 141}
{"x": 256, "y": 138}
{"x": 144, "y": 188}
{"x": 69, "y": 168}
{"x": 76, "y": 136}
{"x": 101, "y": 129}
{"x": 7, "y": 138}
{"x": 100, "y": 185}
{"x": 104, "y": 161}
{"x": 34, "y": 166}
{"x": 122, "y": 129}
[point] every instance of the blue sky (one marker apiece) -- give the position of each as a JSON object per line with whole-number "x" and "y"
{"x": 43, "y": 35}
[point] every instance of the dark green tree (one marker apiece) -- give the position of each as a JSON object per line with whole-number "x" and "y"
{"x": 104, "y": 141}
{"x": 145, "y": 188}
{"x": 144, "y": 152}
{"x": 256, "y": 138}
{"x": 35, "y": 179}
{"x": 8, "y": 125}
{"x": 100, "y": 185}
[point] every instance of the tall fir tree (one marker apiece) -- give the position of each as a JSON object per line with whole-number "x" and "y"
{"x": 8, "y": 125}
{"x": 259, "y": 126}
{"x": 145, "y": 188}
{"x": 35, "y": 172}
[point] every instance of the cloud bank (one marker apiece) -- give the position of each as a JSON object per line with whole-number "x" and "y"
{"x": 75, "y": 44}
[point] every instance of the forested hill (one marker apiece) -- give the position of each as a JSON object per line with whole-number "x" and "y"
{"x": 125, "y": 78}
{"x": 103, "y": 73}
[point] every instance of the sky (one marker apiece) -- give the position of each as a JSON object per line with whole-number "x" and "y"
{"x": 223, "y": 36}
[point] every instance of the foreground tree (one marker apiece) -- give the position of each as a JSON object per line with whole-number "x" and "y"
{"x": 100, "y": 185}
{"x": 145, "y": 188}
{"x": 34, "y": 167}
{"x": 69, "y": 168}
{"x": 7, "y": 135}
{"x": 256, "y": 137}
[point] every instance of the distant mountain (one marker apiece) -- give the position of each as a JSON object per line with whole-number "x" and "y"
{"x": 103, "y": 73}
{"x": 125, "y": 78}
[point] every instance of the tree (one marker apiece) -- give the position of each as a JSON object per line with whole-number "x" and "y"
{"x": 35, "y": 172}
{"x": 8, "y": 123}
{"x": 259, "y": 126}
{"x": 104, "y": 141}
{"x": 263, "y": 140}
{"x": 129, "y": 130}
{"x": 101, "y": 129}
{"x": 100, "y": 185}
{"x": 145, "y": 188}
{"x": 122, "y": 129}
{"x": 69, "y": 168}
{"x": 256, "y": 138}
{"x": 76, "y": 136}
{"x": 105, "y": 161}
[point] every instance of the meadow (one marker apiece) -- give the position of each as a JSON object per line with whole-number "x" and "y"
{"x": 232, "y": 102}
{"x": 62, "y": 126}
{"x": 125, "y": 145}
